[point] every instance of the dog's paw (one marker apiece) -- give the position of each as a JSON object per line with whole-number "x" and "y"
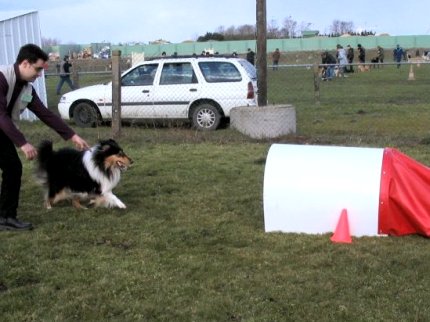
{"x": 47, "y": 205}
{"x": 113, "y": 201}
{"x": 121, "y": 205}
{"x": 118, "y": 203}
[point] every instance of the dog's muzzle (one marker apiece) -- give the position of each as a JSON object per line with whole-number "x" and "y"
{"x": 122, "y": 166}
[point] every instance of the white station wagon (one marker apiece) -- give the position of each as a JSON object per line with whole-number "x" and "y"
{"x": 200, "y": 89}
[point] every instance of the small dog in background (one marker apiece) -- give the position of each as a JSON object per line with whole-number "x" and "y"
{"x": 363, "y": 68}
{"x": 82, "y": 175}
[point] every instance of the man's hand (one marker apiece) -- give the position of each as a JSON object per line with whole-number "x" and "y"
{"x": 29, "y": 151}
{"x": 80, "y": 143}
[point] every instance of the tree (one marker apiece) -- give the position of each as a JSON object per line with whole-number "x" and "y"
{"x": 246, "y": 31}
{"x": 272, "y": 30}
{"x": 48, "y": 42}
{"x": 304, "y": 26}
{"x": 230, "y": 33}
{"x": 211, "y": 36}
{"x": 339, "y": 27}
{"x": 289, "y": 28}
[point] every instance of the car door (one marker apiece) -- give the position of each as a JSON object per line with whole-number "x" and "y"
{"x": 137, "y": 88}
{"x": 178, "y": 86}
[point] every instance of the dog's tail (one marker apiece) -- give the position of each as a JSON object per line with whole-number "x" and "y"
{"x": 44, "y": 153}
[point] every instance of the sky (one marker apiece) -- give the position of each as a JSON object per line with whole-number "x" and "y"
{"x": 123, "y": 21}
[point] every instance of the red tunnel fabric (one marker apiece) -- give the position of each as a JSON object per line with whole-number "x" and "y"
{"x": 404, "y": 203}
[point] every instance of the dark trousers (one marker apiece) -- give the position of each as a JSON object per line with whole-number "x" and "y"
{"x": 64, "y": 79}
{"x": 349, "y": 68}
{"x": 11, "y": 167}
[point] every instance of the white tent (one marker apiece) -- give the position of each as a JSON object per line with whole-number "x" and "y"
{"x": 18, "y": 28}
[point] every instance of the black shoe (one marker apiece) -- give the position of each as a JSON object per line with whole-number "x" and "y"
{"x": 10, "y": 223}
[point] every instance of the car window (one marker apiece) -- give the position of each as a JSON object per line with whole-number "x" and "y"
{"x": 140, "y": 76}
{"x": 249, "y": 68}
{"x": 215, "y": 72}
{"x": 177, "y": 73}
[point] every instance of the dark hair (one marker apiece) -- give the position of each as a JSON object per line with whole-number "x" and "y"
{"x": 32, "y": 53}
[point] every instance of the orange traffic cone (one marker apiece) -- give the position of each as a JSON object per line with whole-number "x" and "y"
{"x": 341, "y": 234}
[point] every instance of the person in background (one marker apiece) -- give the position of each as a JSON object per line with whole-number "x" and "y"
{"x": 329, "y": 61}
{"x": 398, "y": 55}
{"x": 341, "y": 59}
{"x": 380, "y": 53}
{"x": 350, "y": 57}
{"x": 361, "y": 54}
{"x": 16, "y": 94}
{"x": 250, "y": 56}
{"x": 65, "y": 75}
{"x": 276, "y": 55}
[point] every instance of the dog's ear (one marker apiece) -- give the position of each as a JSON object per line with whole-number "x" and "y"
{"x": 108, "y": 141}
{"x": 104, "y": 146}
{"x": 107, "y": 145}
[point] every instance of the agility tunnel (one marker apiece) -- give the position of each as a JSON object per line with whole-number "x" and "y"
{"x": 306, "y": 188}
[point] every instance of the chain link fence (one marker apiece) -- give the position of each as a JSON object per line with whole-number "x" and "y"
{"x": 388, "y": 96}
{"x": 370, "y": 83}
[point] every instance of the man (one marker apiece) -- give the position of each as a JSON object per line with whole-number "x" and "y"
{"x": 350, "y": 57}
{"x": 361, "y": 54}
{"x": 329, "y": 62}
{"x": 381, "y": 55}
{"x": 276, "y": 55}
{"x": 65, "y": 75}
{"x": 16, "y": 94}
{"x": 342, "y": 59}
{"x": 250, "y": 56}
{"x": 398, "y": 55}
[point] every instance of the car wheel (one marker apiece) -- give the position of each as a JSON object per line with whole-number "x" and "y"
{"x": 85, "y": 115}
{"x": 206, "y": 117}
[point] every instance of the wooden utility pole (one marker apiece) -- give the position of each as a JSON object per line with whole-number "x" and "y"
{"x": 261, "y": 52}
{"x": 116, "y": 94}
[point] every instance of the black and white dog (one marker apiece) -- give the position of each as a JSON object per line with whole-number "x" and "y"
{"x": 82, "y": 175}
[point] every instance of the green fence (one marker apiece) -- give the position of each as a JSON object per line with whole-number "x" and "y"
{"x": 285, "y": 45}
{"x": 240, "y": 47}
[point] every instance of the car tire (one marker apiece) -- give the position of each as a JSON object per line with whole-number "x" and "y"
{"x": 85, "y": 115}
{"x": 206, "y": 117}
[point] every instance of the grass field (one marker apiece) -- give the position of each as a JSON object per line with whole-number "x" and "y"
{"x": 191, "y": 245}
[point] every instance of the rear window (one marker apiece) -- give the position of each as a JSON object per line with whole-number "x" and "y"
{"x": 249, "y": 68}
{"x": 217, "y": 72}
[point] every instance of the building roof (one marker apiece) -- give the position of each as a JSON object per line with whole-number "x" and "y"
{"x": 6, "y": 15}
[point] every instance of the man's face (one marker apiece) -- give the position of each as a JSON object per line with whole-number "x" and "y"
{"x": 29, "y": 72}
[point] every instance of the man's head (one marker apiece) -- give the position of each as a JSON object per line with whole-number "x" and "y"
{"x": 31, "y": 61}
